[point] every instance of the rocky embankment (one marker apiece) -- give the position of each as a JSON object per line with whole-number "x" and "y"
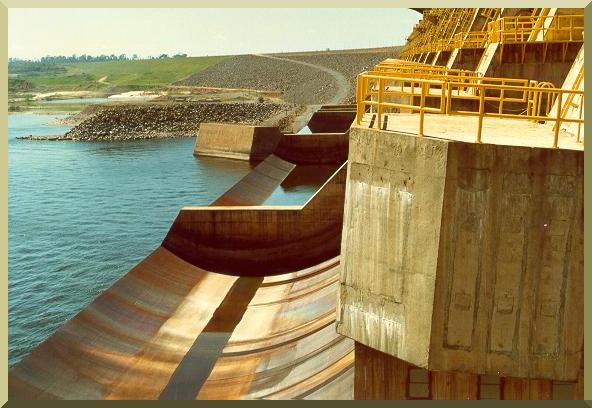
{"x": 298, "y": 83}
{"x": 146, "y": 121}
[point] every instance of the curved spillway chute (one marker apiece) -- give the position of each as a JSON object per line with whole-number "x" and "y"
{"x": 238, "y": 302}
{"x": 262, "y": 240}
{"x": 171, "y": 330}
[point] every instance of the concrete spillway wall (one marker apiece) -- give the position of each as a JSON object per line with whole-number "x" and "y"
{"x": 327, "y": 121}
{"x": 262, "y": 240}
{"x": 464, "y": 257}
{"x": 244, "y": 142}
{"x": 318, "y": 148}
{"x": 327, "y": 145}
{"x": 255, "y": 319}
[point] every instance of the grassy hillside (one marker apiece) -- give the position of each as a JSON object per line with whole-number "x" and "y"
{"x": 108, "y": 76}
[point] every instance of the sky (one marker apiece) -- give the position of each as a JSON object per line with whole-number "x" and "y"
{"x": 33, "y": 33}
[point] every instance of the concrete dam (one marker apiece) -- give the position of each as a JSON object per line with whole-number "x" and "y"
{"x": 237, "y": 302}
{"x": 441, "y": 258}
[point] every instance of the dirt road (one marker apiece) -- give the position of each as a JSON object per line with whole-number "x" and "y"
{"x": 340, "y": 95}
{"x": 341, "y": 81}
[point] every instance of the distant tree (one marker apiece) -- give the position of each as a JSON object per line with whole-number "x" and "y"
{"x": 62, "y": 59}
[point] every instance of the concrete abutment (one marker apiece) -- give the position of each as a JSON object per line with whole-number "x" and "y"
{"x": 464, "y": 258}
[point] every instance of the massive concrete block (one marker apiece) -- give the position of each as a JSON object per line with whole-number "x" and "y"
{"x": 464, "y": 257}
{"x": 243, "y": 142}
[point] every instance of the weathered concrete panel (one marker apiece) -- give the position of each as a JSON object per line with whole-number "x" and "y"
{"x": 464, "y": 257}
{"x": 394, "y": 195}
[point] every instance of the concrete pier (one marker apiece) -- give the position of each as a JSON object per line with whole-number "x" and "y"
{"x": 243, "y": 142}
{"x": 464, "y": 257}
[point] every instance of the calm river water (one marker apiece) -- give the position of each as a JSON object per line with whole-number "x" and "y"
{"x": 82, "y": 214}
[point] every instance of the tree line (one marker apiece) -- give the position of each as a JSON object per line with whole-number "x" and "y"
{"x": 61, "y": 59}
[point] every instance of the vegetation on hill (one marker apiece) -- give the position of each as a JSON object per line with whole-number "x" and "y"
{"x": 103, "y": 76}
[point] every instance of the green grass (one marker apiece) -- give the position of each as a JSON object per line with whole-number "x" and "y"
{"x": 121, "y": 75}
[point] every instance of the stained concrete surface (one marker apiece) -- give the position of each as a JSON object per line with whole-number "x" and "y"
{"x": 476, "y": 261}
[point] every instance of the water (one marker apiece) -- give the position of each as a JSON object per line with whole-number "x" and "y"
{"x": 304, "y": 131}
{"x": 90, "y": 101}
{"x": 74, "y": 101}
{"x": 80, "y": 215}
{"x": 300, "y": 185}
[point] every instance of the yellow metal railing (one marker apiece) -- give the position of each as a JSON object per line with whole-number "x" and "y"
{"x": 489, "y": 13}
{"x": 397, "y": 66}
{"x": 435, "y": 33}
{"x": 522, "y": 29}
{"x": 511, "y": 98}
{"x": 570, "y": 104}
{"x": 470, "y": 40}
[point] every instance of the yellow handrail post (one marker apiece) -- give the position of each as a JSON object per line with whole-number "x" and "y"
{"x": 558, "y": 121}
{"x": 421, "y": 106}
{"x": 379, "y": 109}
{"x": 449, "y": 100}
{"x": 359, "y": 98}
{"x": 443, "y": 97}
{"x": 481, "y": 111}
{"x": 580, "y": 117}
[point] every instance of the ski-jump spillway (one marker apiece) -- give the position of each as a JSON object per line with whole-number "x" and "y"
{"x": 238, "y": 302}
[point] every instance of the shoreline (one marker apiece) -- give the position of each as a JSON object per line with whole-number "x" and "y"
{"x": 114, "y": 138}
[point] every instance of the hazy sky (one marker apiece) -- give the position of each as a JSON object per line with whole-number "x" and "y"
{"x": 33, "y": 33}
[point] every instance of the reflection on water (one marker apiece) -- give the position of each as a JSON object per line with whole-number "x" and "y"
{"x": 89, "y": 101}
{"x": 81, "y": 214}
{"x": 75, "y": 101}
{"x": 314, "y": 175}
{"x": 301, "y": 184}
{"x": 304, "y": 131}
